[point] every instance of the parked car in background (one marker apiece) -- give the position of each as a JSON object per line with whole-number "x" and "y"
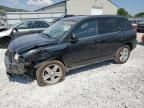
{"x": 3, "y": 28}
{"x": 70, "y": 43}
{"x": 64, "y": 16}
{"x": 140, "y": 26}
{"x": 143, "y": 39}
{"x": 23, "y": 28}
{"x": 134, "y": 24}
{"x": 2, "y": 23}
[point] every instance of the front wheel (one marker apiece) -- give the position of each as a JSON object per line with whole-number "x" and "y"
{"x": 50, "y": 73}
{"x": 122, "y": 54}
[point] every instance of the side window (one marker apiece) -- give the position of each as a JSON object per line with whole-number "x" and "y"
{"x": 40, "y": 24}
{"x": 122, "y": 24}
{"x": 86, "y": 29}
{"x": 128, "y": 25}
{"x": 26, "y": 25}
{"x": 106, "y": 26}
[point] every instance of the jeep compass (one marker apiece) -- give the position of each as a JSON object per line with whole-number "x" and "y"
{"x": 69, "y": 43}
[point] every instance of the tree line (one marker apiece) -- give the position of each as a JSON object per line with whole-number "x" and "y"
{"x": 123, "y": 12}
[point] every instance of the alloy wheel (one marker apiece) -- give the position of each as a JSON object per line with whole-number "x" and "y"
{"x": 52, "y": 74}
{"x": 124, "y": 54}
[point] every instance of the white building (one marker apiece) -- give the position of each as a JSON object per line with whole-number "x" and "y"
{"x": 82, "y": 7}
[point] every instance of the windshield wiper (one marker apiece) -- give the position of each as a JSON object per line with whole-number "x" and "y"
{"x": 46, "y": 35}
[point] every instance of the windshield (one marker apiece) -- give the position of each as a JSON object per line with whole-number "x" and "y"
{"x": 59, "y": 29}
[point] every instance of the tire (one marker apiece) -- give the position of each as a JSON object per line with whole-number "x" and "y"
{"x": 47, "y": 73}
{"x": 122, "y": 54}
{"x": 9, "y": 74}
{"x": 5, "y": 41}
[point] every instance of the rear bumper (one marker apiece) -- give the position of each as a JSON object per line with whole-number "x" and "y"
{"x": 15, "y": 67}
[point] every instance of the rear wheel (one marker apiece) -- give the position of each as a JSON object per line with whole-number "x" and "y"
{"x": 50, "y": 73}
{"x": 122, "y": 54}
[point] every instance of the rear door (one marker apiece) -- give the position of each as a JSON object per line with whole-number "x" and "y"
{"x": 110, "y": 36}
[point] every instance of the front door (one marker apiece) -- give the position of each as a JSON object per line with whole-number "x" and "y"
{"x": 87, "y": 48}
{"x": 24, "y": 29}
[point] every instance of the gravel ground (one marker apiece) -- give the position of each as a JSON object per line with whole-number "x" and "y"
{"x": 103, "y": 85}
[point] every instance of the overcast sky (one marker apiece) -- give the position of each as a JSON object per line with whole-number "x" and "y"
{"x": 132, "y": 6}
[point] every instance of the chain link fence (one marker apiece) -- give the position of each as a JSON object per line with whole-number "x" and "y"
{"x": 16, "y": 17}
{"x": 136, "y": 19}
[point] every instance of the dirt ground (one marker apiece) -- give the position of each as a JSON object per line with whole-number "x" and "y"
{"x": 103, "y": 85}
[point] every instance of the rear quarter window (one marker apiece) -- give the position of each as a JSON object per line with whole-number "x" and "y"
{"x": 124, "y": 25}
{"x": 129, "y": 25}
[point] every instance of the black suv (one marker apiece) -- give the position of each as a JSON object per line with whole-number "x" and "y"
{"x": 70, "y": 43}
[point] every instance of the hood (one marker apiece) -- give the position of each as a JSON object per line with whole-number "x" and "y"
{"x": 28, "y": 42}
{"x": 5, "y": 33}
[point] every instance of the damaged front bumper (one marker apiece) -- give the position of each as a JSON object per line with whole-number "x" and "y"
{"x": 16, "y": 68}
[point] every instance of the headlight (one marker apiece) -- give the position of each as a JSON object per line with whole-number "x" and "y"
{"x": 16, "y": 57}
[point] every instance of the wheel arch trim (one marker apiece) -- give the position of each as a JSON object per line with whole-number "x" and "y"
{"x": 36, "y": 65}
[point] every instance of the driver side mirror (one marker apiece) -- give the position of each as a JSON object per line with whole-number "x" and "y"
{"x": 73, "y": 38}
